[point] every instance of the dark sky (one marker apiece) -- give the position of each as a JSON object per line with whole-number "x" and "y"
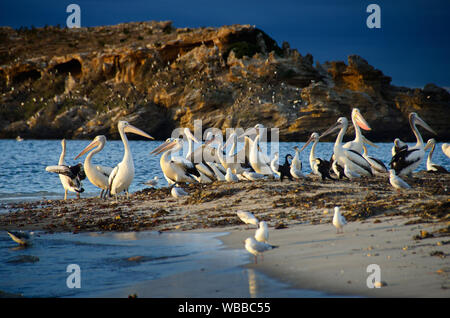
{"x": 412, "y": 46}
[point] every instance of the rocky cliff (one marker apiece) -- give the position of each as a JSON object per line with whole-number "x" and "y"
{"x": 77, "y": 83}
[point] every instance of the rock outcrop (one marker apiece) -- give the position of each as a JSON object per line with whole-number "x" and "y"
{"x": 78, "y": 83}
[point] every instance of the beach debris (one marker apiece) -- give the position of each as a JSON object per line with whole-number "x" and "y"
{"x": 438, "y": 253}
{"x": 247, "y": 217}
{"x": 133, "y": 296}
{"x": 422, "y": 235}
{"x": 338, "y": 220}
{"x": 257, "y": 248}
{"x": 380, "y": 284}
{"x": 280, "y": 226}
{"x": 262, "y": 233}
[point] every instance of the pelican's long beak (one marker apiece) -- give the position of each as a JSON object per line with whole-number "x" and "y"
{"x": 165, "y": 146}
{"x": 207, "y": 142}
{"x": 331, "y": 129}
{"x": 137, "y": 131}
{"x": 307, "y": 143}
{"x": 424, "y": 125}
{"x": 92, "y": 145}
{"x": 361, "y": 121}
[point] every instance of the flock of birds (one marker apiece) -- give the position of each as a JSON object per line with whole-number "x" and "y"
{"x": 210, "y": 162}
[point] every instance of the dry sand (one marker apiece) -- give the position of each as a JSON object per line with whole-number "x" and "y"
{"x": 405, "y": 233}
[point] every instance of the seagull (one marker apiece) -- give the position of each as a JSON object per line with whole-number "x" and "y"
{"x": 178, "y": 192}
{"x": 230, "y": 176}
{"x": 338, "y": 220}
{"x": 262, "y": 233}
{"x": 397, "y": 182}
{"x": 247, "y": 217}
{"x": 257, "y": 248}
{"x": 20, "y": 237}
{"x": 153, "y": 182}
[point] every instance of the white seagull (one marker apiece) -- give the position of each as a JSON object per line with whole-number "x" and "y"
{"x": 262, "y": 233}
{"x": 178, "y": 192}
{"x": 397, "y": 182}
{"x": 247, "y": 217}
{"x": 257, "y": 248}
{"x": 338, "y": 220}
{"x": 230, "y": 176}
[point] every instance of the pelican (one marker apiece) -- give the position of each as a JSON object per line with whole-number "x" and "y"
{"x": 358, "y": 122}
{"x": 262, "y": 233}
{"x": 432, "y": 167}
{"x": 398, "y": 146}
{"x": 247, "y": 217}
{"x": 377, "y": 165}
{"x": 296, "y": 165}
{"x": 175, "y": 169}
{"x": 338, "y": 220}
{"x": 98, "y": 175}
{"x": 256, "y": 160}
{"x": 397, "y": 182}
{"x": 353, "y": 162}
{"x": 122, "y": 175}
{"x": 407, "y": 160}
{"x": 312, "y": 156}
{"x": 446, "y": 149}
{"x": 257, "y": 248}
{"x": 70, "y": 176}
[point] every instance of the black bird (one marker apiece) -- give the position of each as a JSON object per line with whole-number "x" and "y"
{"x": 285, "y": 169}
{"x": 323, "y": 167}
{"x": 337, "y": 169}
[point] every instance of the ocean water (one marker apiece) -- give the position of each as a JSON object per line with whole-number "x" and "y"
{"x": 114, "y": 261}
{"x": 23, "y": 175}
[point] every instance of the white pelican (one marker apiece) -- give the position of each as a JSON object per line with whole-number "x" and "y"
{"x": 377, "y": 165}
{"x": 191, "y": 139}
{"x": 312, "y": 156}
{"x": 257, "y": 248}
{"x": 122, "y": 175}
{"x": 446, "y": 149}
{"x": 296, "y": 165}
{"x": 274, "y": 165}
{"x": 432, "y": 167}
{"x": 70, "y": 176}
{"x": 175, "y": 169}
{"x": 178, "y": 192}
{"x": 398, "y": 146}
{"x": 230, "y": 176}
{"x": 407, "y": 160}
{"x": 396, "y": 181}
{"x": 338, "y": 220}
{"x": 351, "y": 160}
{"x": 98, "y": 175}
{"x": 358, "y": 122}
{"x": 262, "y": 233}
{"x": 247, "y": 217}
{"x": 256, "y": 160}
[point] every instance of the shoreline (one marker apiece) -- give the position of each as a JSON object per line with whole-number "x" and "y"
{"x": 409, "y": 240}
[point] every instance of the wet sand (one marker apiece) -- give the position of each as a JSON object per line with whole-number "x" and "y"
{"x": 406, "y": 233}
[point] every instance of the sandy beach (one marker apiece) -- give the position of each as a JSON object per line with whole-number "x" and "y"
{"x": 405, "y": 234}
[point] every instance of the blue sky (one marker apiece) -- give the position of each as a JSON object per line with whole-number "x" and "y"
{"x": 412, "y": 46}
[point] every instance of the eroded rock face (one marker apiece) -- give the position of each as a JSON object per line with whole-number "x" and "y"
{"x": 159, "y": 78}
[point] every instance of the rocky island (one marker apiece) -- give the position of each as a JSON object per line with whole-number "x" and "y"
{"x": 76, "y": 83}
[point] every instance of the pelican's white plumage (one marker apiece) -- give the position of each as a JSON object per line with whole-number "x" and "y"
{"x": 446, "y": 149}
{"x": 338, "y": 220}
{"x": 377, "y": 165}
{"x": 358, "y": 122}
{"x": 432, "y": 167}
{"x": 123, "y": 174}
{"x": 97, "y": 175}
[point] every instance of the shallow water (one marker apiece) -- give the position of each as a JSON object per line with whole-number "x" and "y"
{"x": 23, "y": 175}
